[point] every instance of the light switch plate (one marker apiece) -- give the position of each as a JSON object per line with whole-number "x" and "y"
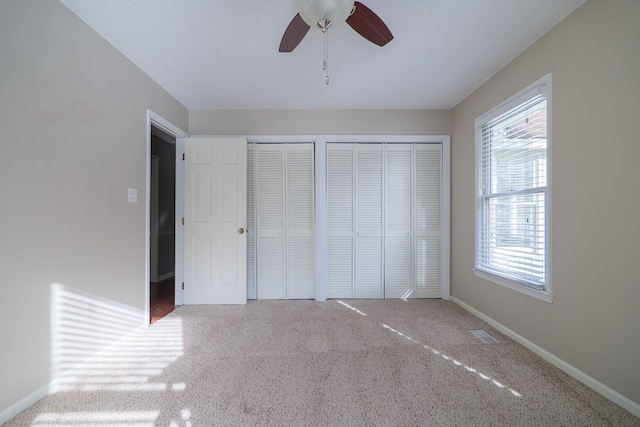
{"x": 132, "y": 195}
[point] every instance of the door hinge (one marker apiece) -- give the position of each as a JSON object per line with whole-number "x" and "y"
{"x": 182, "y": 285}
{"x": 182, "y": 156}
{"x": 182, "y": 220}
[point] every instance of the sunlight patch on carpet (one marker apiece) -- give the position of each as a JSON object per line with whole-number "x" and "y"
{"x": 352, "y": 308}
{"x": 452, "y": 360}
{"x": 119, "y": 418}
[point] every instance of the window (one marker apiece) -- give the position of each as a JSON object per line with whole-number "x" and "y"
{"x": 513, "y": 192}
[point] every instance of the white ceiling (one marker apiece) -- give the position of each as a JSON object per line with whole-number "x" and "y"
{"x": 223, "y": 54}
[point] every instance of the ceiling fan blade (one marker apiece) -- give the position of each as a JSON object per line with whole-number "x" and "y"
{"x": 294, "y": 34}
{"x": 369, "y": 25}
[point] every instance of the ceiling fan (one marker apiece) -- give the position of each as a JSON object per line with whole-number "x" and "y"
{"x": 322, "y": 13}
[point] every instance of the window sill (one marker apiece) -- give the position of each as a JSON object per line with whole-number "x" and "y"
{"x": 541, "y": 295}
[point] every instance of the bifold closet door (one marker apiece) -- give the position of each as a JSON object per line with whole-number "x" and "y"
{"x": 340, "y": 210}
{"x": 368, "y": 221}
{"x": 427, "y": 227}
{"x": 299, "y": 230}
{"x": 282, "y": 215}
{"x": 355, "y": 215}
{"x": 398, "y": 229}
{"x": 383, "y": 203}
{"x": 251, "y": 224}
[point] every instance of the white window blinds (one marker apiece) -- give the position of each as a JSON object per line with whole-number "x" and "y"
{"x": 511, "y": 238}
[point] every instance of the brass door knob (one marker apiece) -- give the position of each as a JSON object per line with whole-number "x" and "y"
{"x": 240, "y": 230}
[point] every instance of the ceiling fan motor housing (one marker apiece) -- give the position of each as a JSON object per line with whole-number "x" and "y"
{"x": 331, "y": 11}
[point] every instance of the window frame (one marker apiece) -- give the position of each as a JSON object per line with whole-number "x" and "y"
{"x": 540, "y": 87}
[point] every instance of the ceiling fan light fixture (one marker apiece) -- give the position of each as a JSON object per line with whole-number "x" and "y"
{"x": 313, "y": 12}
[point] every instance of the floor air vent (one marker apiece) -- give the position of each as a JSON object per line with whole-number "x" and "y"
{"x": 485, "y": 337}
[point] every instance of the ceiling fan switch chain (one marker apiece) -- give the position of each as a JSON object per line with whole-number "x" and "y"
{"x": 325, "y": 63}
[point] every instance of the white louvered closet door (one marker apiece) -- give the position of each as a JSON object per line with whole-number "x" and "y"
{"x": 251, "y": 225}
{"x": 340, "y": 210}
{"x": 368, "y": 221}
{"x": 398, "y": 229}
{"x": 428, "y": 202}
{"x": 284, "y": 221}
{"x": 299, "y": 221}
{"x": 384, "y": 204}
{"x": 270, "y": 221}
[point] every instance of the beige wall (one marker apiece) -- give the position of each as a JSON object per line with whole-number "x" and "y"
{"x": 320, "y": 122}
{"x": 72, "y": 112}
{"x": 73, "y": 121}
{"x": 593, "y": 323}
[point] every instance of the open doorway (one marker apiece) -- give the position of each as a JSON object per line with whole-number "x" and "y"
{"x": 162, "y": 220}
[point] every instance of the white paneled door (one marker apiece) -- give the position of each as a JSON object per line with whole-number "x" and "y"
{"x": 383, "y": 214}
{"x": 215, "y": 221}
{"x": 281, "y": 221}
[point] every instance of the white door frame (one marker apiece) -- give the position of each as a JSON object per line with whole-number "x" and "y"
{"x": 154, "y": 119}
{"x": 153, "y": 200}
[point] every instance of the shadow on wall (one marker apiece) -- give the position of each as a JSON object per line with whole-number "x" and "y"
{"x": 107, "y": 362}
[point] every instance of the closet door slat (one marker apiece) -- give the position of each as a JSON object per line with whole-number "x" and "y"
{"x": 251, "y": 227}
{"x": 270, "y": 224}
{"x": 398, "y": 230}
{"x": 299, "y": 221}
{"x": 368, "y": 221}
{"x": 340, "y": 206}
{"x": 428, "y": 164}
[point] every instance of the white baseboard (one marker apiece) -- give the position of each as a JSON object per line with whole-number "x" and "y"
{"x": 24, "y": 403}
{"x": 590, "y": 382}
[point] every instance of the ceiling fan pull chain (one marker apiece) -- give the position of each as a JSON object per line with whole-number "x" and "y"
{"x": 325, "y": 64}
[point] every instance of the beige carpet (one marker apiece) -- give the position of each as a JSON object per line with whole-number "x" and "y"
{"x": 356, "y": 362}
